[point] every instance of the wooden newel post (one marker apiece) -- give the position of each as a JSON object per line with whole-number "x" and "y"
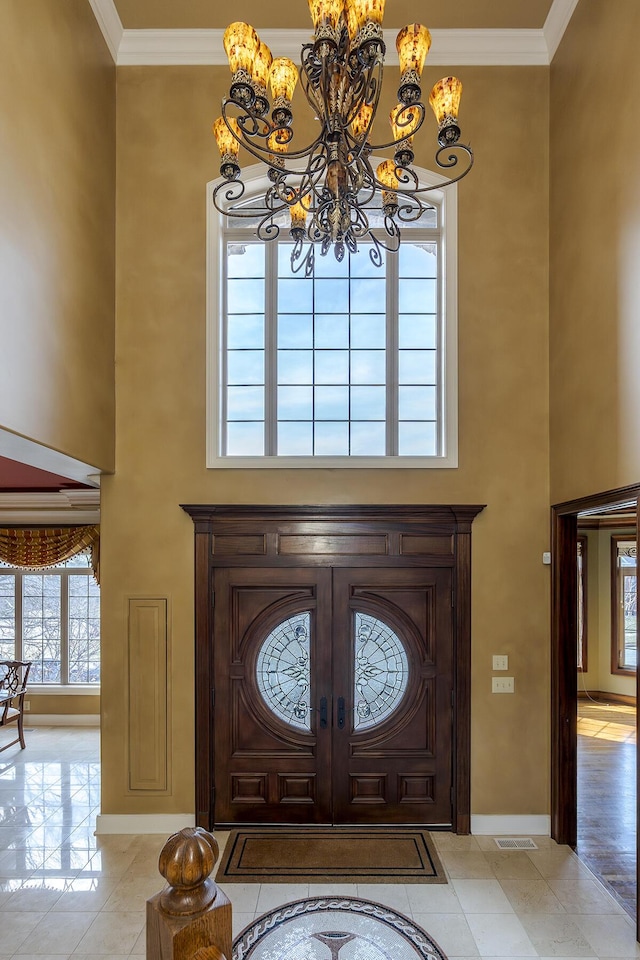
{"x": 191, "y": 918}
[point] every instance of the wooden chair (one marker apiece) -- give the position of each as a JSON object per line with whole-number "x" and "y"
{"x": 13, "y": 686}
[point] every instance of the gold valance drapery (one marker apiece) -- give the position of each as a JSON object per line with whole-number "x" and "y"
{"x": 39, "y": 547}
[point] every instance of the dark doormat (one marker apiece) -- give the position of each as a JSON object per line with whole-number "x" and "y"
{"x": 330, "y": 854}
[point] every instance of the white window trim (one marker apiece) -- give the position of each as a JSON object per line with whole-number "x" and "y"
{"x": 62, "y": 690}
{"x": 254, "y": 177}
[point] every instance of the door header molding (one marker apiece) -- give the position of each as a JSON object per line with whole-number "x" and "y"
{"x": 374, "y": 511}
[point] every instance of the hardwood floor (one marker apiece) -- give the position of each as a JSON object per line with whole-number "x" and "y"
{"x": 607, "y": 796}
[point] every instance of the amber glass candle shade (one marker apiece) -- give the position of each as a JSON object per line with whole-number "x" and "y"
{"x": 326, "y": 12}
{"x": 386, "y": 174}
{"x": 361, "y": 123}
{"x": 351, "y": 17}
{"x": 283, "y": 77}
{"x": 227, "y": 143}
{"x": 298, "y": 213}
{"x": 276, "y": 145}
{"x": 445, "y": 103}
{"x": 241, "y": 45}
{"x": 278, "y": 150}
{"x": 368, "y": 11}
{"x": 413, "y": 43}
{"x": 445, "y": 99}
{"x": 261, "y": 65}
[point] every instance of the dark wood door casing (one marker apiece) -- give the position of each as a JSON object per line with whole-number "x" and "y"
{"x": 398, "y": 536}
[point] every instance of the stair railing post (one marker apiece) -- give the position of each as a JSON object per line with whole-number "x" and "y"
{"x": 191, "y": 918}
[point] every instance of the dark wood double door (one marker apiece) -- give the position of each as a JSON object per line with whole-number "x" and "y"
{"x": 333, "y": 695}
{"x": 333, "y": 663}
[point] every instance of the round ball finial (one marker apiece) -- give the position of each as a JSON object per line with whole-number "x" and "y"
{"x": 186, "y": 860}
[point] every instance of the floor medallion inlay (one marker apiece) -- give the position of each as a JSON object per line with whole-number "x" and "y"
{"x": 334, "y": 928}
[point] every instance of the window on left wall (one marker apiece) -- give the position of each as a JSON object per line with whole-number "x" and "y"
{"x": 52, "y": 618}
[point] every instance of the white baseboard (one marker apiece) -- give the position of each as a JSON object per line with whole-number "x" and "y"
{"x": 507, "y": 825}
{"x": 512, "y": 825}
{"x": 165, "y": 823}
{"x": 62, "y": 719}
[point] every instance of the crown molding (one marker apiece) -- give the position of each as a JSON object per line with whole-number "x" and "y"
{"x": 110, "y": 23}
{"x": 63, "y": 507}
{"x": 556, "y": 23}
{"x": 83, "y": 499}
{"x": 483, "y": 48}
{"x": 449, "y": 47}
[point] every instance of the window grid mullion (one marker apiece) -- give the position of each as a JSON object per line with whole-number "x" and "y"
{"x": 313, "y": 363}
{"x": 224, "y": 356}
{"x": 64, "y": 626}
{"x": 271, "y": 349}
{"x": 392, "y": 320}
{"x": 350, "y": 356}
{"x": 440, "y": 366}
{"x": 18, "y": 618}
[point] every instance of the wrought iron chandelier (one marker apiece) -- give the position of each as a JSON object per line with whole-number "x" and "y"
{"x": 329, "y": 188}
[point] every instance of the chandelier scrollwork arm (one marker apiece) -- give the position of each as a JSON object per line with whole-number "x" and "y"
{"x": 452, "y": 159}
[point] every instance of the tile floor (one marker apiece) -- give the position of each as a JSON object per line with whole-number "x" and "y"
{"x": 65, "y": 893}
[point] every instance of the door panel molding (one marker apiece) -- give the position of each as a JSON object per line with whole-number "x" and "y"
{"x": 292, "y": 741}
{"x": 422, "y": 701}
{"x": 397, "y": 536}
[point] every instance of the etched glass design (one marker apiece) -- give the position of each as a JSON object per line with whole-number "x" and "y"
{"x": 381, "y": 672}
{"x": 283, "y": 671}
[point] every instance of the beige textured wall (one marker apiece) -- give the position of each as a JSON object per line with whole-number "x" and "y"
{"x": 595, "y": 251}
{"x": 166, "y": 155}
{"x": 76, "y": 705}
{"x": 57, "y": 229}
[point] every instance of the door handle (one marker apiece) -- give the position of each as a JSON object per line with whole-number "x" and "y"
{"x": 340, "y": 713}
{"x": 323, "y": 712}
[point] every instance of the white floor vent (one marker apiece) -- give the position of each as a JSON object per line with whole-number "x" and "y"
{"x": 515, "y": 843}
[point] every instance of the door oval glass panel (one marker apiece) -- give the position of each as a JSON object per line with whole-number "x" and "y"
{"x": 381, "y": 671}
{"x": 283, "y": 671}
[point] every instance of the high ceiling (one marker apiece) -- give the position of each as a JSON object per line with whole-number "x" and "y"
{"x": 294, "y": 14}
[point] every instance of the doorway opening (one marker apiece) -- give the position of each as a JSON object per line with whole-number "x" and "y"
{"x": 594, "y": 686}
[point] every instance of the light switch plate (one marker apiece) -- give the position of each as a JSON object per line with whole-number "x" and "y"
{"x": 500, "y": 662}
{"x": 502, "y": 685}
